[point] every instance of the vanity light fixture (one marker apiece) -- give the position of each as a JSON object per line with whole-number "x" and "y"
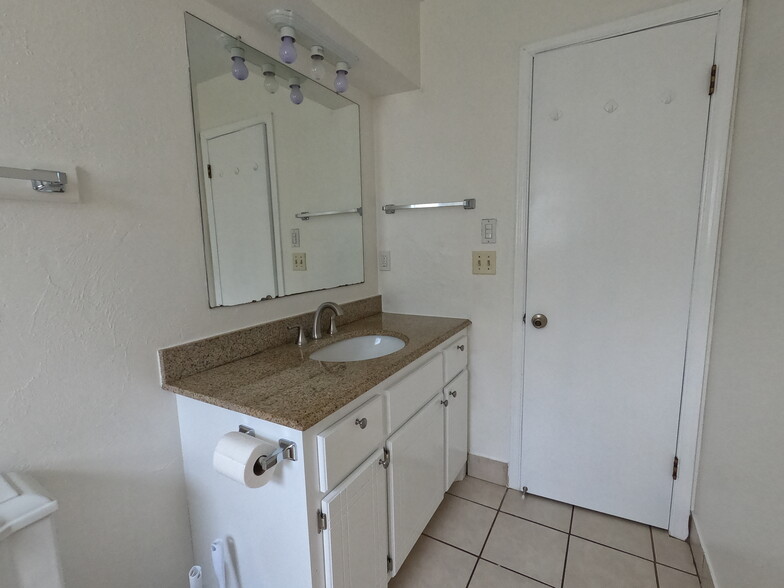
{"x": 296, "y": 91}
{"x": 287, "y": 51}
{"x": 238, "y": 68}
{"x": 270, "y": 79}
{"x": 317, "y": 62}
{"x": 341, "y": 77}
{"x": 323, "y": 49}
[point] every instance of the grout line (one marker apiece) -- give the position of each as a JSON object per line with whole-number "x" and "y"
{"x": 614, "y": 548}
{"x": 568, "y": 541}
{"x": 511, "y": 514}
{"x": 516, "y": 572}
{"x": 449, "y": 544}
{"x": 475, "y": 502}
{"x": 476, "y": 563}
{"x": 653, "y": 550}
{"x": 664, "y": 565}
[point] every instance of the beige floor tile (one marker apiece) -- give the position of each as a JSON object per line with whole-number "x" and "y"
{"x": 621, "y": 534}
{"x": 595, "y": 566}
{"x": 528, "y": 548}
{"x": 479, "y": 491}
{"x": 490, "y": 575}
{"x": 669, "y": 578}
{"x": 673, "y": 552}
{"x": 461, "y": 523}
{"x": 432, "y": 564}
{"x": 540, "y": 510}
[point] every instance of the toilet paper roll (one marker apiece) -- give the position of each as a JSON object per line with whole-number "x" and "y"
{"x": 236, "y": 455}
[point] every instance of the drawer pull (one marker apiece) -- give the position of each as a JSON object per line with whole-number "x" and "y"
{"x": 361, "y": 422}
{"x": 453, "y": 393}
{"x": 461, "y": 347}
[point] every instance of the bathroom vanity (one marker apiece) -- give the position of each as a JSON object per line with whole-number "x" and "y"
{"x": 378, "y": 442}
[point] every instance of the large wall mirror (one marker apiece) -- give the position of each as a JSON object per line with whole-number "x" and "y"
{"x": 279, "y": 181}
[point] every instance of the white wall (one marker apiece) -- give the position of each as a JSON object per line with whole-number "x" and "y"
{"x": 90, "y": 291}
{"x": 739, "y": 510}
{"x": 456, "y": 139}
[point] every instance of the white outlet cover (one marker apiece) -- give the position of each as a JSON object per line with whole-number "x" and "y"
{"x": 384, "y": 261}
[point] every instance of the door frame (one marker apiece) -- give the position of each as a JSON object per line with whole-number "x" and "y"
{"x": 717, "y": 152}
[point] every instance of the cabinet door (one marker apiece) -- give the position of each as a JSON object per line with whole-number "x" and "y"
{"x": 356, "y": 537}
{"x": 415, "y": 477}
{"x": 456, "y": 430}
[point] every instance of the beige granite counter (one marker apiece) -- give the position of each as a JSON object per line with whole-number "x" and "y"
{"x": 282, "y": 385}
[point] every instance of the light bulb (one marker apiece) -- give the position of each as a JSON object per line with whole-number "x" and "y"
{"x": 341, "y": 77}
{"x": 296, "y": 92}
{"x": 238, "y": 68}
{"x": 287, "y": 52}
{"x": 317, "y": 70}
{"x": 270, "y": 82}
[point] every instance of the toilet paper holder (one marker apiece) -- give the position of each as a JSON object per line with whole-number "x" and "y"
{"x": 286, "y": 450}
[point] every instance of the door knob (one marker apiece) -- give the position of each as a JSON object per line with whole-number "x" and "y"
{"x": 539, "y": 321}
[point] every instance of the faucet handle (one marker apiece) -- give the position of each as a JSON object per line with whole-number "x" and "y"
{"x": 333, "y": 327}
{"x": 301, "y": 339}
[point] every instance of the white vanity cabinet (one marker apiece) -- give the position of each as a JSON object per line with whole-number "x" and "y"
{"x": 365, "y": 483}
{"x": 455, "y": 398}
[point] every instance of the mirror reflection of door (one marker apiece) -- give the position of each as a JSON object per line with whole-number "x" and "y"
{"x": 240, "y": 206}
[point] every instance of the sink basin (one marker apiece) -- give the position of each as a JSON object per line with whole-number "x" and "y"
{"x": 359, "y": 348}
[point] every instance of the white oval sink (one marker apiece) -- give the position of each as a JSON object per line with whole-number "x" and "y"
{"x": 359, "y": 348}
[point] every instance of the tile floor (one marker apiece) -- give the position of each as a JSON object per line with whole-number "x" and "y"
{"x": 485, "y": 536}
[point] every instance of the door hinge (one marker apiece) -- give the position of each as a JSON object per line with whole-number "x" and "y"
{"x": 712, "y": 87}
{"x": 385, "y": 460}
{"x": 675, "y": 468}
{"x": 209, "y": 171}
{"x": 390, "y": 567}
{"x": 321, "y": 519}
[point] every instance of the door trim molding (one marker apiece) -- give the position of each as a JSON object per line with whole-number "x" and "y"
{"x": 717, "y": 153}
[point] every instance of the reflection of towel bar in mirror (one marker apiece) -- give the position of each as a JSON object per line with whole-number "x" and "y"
{"x": 468, "y": 204}
{"x": 307, "y": 215}
{"x": 43, "y": 180}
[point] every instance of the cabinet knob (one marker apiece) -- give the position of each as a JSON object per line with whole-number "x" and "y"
{"x": 453, "y": 393}
{"x": 445, "y": 402}
{"x": 361, "y": 422}
{"x": 461, "y": 347}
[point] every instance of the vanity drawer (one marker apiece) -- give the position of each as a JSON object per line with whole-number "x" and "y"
{"x": 412, "y": 392}
{"x": 455, "y": 358}
{"x": 344, "y": 445}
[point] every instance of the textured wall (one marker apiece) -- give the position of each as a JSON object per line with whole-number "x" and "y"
{"x": 738, "y": 508}
{"x": 90, "y": 291}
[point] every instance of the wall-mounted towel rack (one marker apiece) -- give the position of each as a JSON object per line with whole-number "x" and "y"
{"x": 308, "y": 215}
{"x": 42, "y": 180}
{"x": 468, "y": 204}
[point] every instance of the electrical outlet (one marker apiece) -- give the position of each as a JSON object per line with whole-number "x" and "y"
{"x": 300, "y": 262}
{"x": 384, "y": 261}
{"x": 483, "y": 263}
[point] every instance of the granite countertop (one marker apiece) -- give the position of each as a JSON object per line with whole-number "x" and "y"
{"x": 284, "y": 386}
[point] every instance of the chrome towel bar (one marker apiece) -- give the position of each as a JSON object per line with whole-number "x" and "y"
{"x": 42, "y": 180}
{"x": 468, "y": 204}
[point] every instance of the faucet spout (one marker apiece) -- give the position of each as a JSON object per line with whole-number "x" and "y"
{"x": 317, "y": 318}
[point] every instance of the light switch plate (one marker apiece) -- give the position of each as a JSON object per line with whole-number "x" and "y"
{"x": 295, "y": 237}
{"x": 300, "y": 262}
{"x": 384, "y": 261}
{"x": 483, "y": 263}
{"x": 488, "y": 230}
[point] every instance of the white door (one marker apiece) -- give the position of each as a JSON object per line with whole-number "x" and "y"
{"x": 240, "y": 216}
{"x": 617, "y": 149}
{"x": 355, "y": 540}
{"x": 456, "y": 429}
{"x": 415, "y": 477}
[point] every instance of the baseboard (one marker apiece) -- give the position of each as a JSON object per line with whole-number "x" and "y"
{"x": 488, "y": 469}
{"x": 700, "y": 559}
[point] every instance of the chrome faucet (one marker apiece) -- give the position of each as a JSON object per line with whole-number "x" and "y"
{"x": 317, "y": 319}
